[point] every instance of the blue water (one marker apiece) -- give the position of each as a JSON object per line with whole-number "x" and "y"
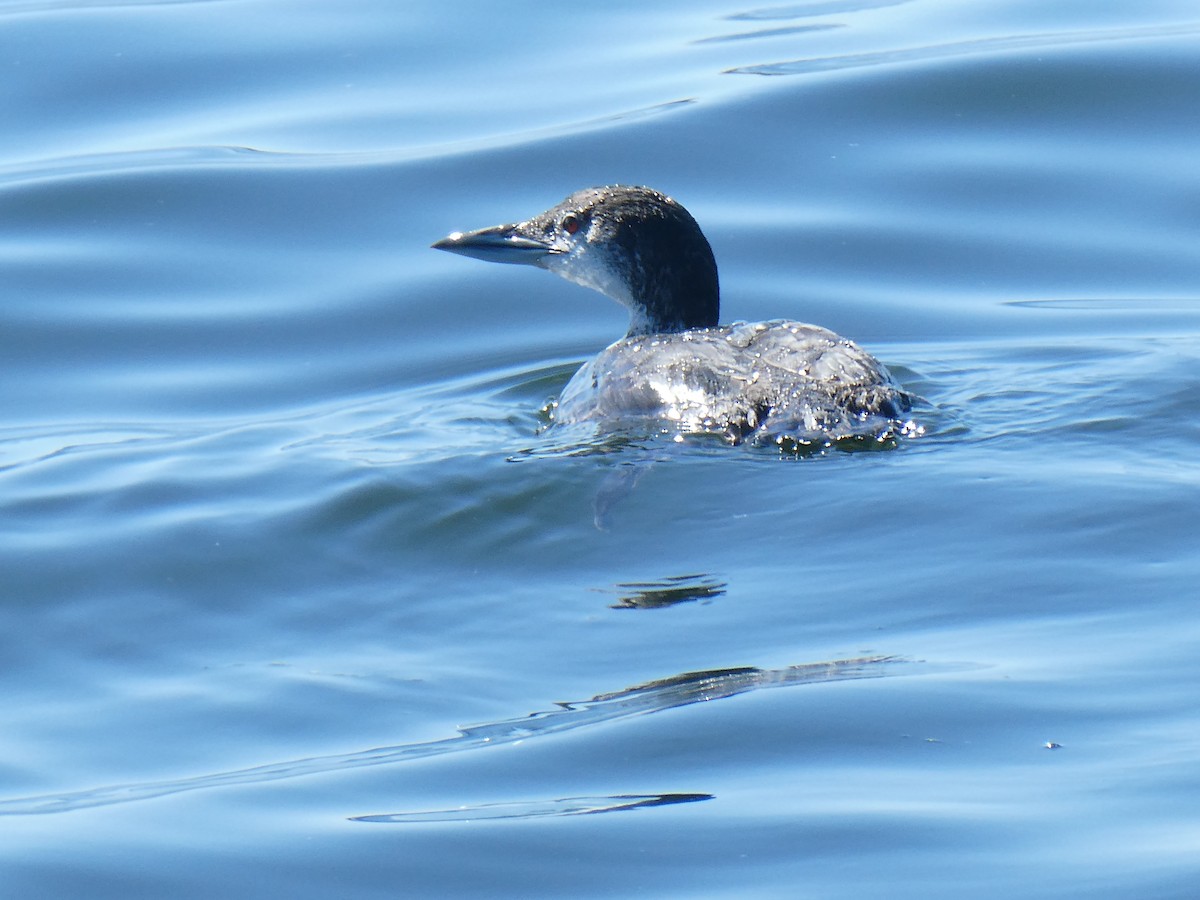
{"x": 298, "y": 600}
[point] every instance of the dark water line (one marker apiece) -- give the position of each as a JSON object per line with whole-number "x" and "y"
{"x": 536, "y": 809}
{"x": 655, "y": 696}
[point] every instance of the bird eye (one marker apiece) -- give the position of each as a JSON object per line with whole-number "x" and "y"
{"x": 570, "y": 223}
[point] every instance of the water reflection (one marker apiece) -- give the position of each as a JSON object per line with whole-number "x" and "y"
{"x": 667, "y": 592}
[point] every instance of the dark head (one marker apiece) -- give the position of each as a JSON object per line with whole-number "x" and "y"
{"x": 634, "y": 244}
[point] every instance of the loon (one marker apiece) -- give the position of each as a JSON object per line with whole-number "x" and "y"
{"x": 780, "y": 381}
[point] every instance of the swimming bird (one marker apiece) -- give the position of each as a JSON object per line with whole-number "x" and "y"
{"x": 779, "y": 381}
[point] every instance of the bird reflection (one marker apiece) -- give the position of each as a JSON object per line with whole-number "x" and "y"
{"x": 668, "y": 592}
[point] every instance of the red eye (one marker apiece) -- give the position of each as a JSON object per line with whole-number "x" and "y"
{"x": 570, "y": 224}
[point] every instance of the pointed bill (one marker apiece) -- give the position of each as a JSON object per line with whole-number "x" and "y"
{"x": 499, "y": 243}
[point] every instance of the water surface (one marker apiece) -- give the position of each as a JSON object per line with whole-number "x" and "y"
{"x": 277, "y": 499}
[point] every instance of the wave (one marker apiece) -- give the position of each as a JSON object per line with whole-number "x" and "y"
{"x": 639, "y": 700}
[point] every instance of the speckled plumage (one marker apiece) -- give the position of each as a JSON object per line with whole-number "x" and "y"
{"x": 762, "y": 381}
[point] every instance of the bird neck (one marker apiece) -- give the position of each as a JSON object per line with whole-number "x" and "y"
{"x": 680, "y": 294}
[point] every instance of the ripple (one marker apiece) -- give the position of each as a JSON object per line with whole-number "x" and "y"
{"x": 21, "y": 447}
{"x": 535, "y": 809}
{"x": 655, "y": 696}
{"x": 191, "y": 157}
{"x": 767, "y": 33}
{"x": 820, "y": 8}
{"x": 36, "y": 6}
{"x": 91, "y": 164}
{"x": 981, "y": 46}
{"x": 1138, "y": 305}
{"x": 562, "y": 129}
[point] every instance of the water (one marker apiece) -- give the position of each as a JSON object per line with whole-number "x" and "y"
{"x": 277, "y": 510}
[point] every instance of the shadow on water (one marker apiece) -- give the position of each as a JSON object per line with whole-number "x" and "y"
{"x": 654, "y": 696}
